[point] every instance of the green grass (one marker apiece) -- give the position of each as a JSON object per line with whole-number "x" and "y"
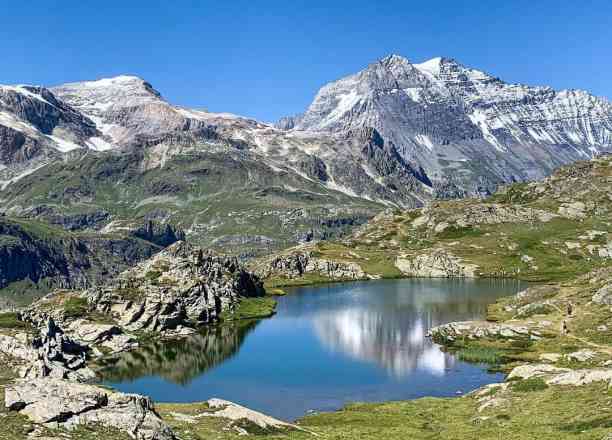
{"x": 11, "y": 321}
{"x": 480, "y": 354}
{"x": 251, "y": 308}
{"x": 455, "y": 232}
{"x": 529, "y": 385}
{"x": 553, "y": 413}
{"x": 75, "y": 307}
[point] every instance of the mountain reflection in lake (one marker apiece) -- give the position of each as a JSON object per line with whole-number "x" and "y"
{"x": 181, "y": 360}
{"x": 325, "y": 347}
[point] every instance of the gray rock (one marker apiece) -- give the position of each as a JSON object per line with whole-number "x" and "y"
{"x": 604, "y": 295}
{"x": 438, "y": 263}
{"x": 180, "y": 287}
{"x": 479, "y": 329}
{"x": 66, "y": 404}
{"x": 301, "y": 261}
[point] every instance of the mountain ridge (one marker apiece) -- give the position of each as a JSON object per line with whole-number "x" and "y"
{"x": 394, "y": 134}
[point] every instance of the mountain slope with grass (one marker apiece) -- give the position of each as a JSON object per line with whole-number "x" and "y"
{"x": 396, "y": 134}
{"x": 36, "y": 257}
{"x": 552, "y": 229}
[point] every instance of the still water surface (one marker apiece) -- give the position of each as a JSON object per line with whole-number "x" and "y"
{"x": 325, "y": 347}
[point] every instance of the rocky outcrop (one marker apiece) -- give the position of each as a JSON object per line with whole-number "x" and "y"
{"x": 176, "y": 290}
{"x": 51, "y": 257}
{"x": 437, "y": 263}
{"x": 51, "y": 354}
{"x": 303, "y": 262}
{"x": 447, "y": 333}
{"x": 473, "y": 214}
{"x": 604, "y": 295}
{"x": 159, "y": 233}
{"x": 65, "y": 404}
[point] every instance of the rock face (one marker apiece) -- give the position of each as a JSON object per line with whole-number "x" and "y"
{"x": 181, "y": 287}
{"x": 66, "y": 404}
{"x": 35, "y": 126}
{"x": 53, "y": 258}
{"x": 302, "y": 262}
{"x": 465, "y": 116}
{"x": 437, "y": 263}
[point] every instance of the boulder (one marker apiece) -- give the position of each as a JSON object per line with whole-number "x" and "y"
{"x": 535, "y": 370}
{"x": 604, "y": 295}
{"x": 437, "y": 263}
{"x": 582, "y": 355}
{"x": 232, "y": 411}
{"x": 67, "y": 404}
{"x": 582, "y": 377}
{"x": 478, "y": 329}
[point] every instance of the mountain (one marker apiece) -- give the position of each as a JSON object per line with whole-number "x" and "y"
{"x": 552, "y": 229}
{"x": 115, "y": 154}
{"x": 463, "y": 127}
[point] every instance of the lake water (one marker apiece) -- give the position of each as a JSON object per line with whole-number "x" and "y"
{"x": 325, "y": 347}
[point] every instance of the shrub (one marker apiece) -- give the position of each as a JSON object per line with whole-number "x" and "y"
{"x": 480, "y": 354}
{"x": 528, "y": 385}
{"x": 75, "y": 307}
{"x": 11, "y": 320}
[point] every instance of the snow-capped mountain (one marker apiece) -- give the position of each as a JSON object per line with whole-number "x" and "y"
{"x": 463, "y": 127}
{"x": 394, "y": 133}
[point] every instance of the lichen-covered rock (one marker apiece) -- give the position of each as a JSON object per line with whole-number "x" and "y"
{"x": 479, "y": 329}
{"x": 535, "y": 370}
{"x": 604, "y": 295}
{"x": 437, "y": 263}
{"x": 67, "y": 404}
{"x": 301, "y": 262}
{"x": 181, "y": 286}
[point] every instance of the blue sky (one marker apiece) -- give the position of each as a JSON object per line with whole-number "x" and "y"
{"x": 266, "y": 59}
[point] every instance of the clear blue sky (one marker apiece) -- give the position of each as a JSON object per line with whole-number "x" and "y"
{"x": 266, "y": 59}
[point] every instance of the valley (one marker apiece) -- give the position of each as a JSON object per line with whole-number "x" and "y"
{"x": 425, "y": 252}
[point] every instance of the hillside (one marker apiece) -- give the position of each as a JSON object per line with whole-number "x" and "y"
{"x": 396, "y": 134}
{"x": 36, "y": 257}
{"x": 552, "y": 229}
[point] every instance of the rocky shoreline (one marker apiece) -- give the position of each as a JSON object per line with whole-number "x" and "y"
{"x": 60, "y": 336}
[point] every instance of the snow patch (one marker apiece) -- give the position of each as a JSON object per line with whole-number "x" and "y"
{"x": 63, "y": 145}
{"x": 424, "y": 141}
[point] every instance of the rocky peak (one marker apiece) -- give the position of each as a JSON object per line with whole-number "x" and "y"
{"x": 94, "y": 97}
{"x": 34, "y": 107}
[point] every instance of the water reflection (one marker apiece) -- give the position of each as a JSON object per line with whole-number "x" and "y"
{"x": 395, "y": 343}
{"x": 391, "y": 329}
{"x": 182, "y": 360}
{"x": 326, "y": 346}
